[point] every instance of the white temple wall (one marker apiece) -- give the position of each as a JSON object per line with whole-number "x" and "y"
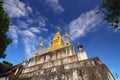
{"x": 47, "y": 58}
{"x": 82, "y": 55}
{"x": 53, "y": 56}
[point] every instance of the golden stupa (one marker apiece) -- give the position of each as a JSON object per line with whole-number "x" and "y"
{"x": 57, "y": 41}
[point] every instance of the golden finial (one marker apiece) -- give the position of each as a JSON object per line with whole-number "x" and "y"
{"x": 58, "y": 28}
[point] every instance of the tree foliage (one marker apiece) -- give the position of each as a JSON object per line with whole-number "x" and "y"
{"x": 111, "y": 12}
{"x": 4, "y": 26}
{"x": 7, "y": 63}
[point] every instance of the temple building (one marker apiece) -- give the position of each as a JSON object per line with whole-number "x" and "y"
{"x": 60, "y": 61}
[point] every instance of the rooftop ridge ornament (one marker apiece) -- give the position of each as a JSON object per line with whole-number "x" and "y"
{"x": 80, "y": 47}
{"x": 41, "y": 44}
{"x": 25, "y": 62}
{"x": 67, "y": 43}
{"x": 58, "y": 28}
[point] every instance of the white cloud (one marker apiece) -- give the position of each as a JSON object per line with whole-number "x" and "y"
{"x": 37, "y": 19}
{"x": 24, "y": 28}
{"x": 44, "y": 29}
{"x": 28, "y": 36}
{"x": 83, "y": 24}
{"x": 30, "y": 41}
{"x": 29, "y": 9}
{"x": 22, "y": 24}
{"x": 13, "y": 32}
{"x": 55, "y": 6}
{"x": 28, "y": 33}
{"x": 30, "y": 46}
{"x": 42, "y": 21}
{"x": 34, "y": 30}
{"x": 16, "y": 8}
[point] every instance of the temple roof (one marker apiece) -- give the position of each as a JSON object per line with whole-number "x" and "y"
{"x": 10, "y": 70}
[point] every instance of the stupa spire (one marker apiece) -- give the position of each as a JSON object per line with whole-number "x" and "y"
{"x": 57, "y": 41}
{"x": 80, "y": 46}
{"x": 58, "y": 28}
{"x": 67, "y": 43}
{"x": 41, "y": 44}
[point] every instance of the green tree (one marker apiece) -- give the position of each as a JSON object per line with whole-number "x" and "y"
{"x": 7, "y": 63}
{"x": 4, "y": 26}
{"x": 111, "y": 12}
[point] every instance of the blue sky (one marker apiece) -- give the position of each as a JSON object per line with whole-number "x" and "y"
{"x": 33, "y": 21}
